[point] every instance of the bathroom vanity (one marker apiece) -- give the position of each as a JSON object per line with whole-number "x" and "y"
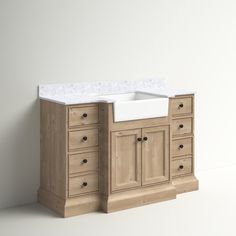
{"x": 108, "y": 146}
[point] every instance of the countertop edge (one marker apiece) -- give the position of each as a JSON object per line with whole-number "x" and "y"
{"x": 94, "y": 100}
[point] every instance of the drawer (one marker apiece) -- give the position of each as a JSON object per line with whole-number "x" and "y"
{"x": 182, "y": 147}
{"x": 83, "y": 138}
{"x": 83, "y": 184}
{"x": 83, "y": 115}
{"x": 181, "y": 167}
{"x": 83, "y": 162}
{"x": 180, "y": 106}
{"x": 182, "y": 126}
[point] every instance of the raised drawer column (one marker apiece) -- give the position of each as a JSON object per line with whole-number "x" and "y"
{"x": 182, "y": 143}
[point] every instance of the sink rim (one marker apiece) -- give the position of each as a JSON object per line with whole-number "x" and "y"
{"x": 120, "y": 97}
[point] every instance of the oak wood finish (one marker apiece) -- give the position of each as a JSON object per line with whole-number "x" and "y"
{"x": 71, "y": 206}
{"x": 185, "y": 184}
{"x": 83, "y": 184}
{"x": 62, "y": 148}
{"x": 80, "y": 162}
{"x": 119, "y": 164}
{"x": 124, "y": 139}
{"x": 53, "y": 142}
{"x": 104, "y": 152}
{"x": 139, "y": 197}
{"x": 83, "y": 138}
{"x": 125, "y": 159}
{"x": 182, "y": 126}
{"x": 182, "y": 105}
{"x": 83, "y": 115}
{"x": 182, "y": 166}
{"x": 183, "y": 156}
{"x": 155, "y": 155}
{"x": 182, "y": 146}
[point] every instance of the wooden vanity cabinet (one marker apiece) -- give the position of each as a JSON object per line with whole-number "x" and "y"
{"x": 88, "y": 162}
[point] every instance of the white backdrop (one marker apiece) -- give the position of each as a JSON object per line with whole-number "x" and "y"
{"x": 190, "y": 43}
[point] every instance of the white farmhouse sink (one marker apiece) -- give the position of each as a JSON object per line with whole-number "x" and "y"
{"x": 137, "y": 105}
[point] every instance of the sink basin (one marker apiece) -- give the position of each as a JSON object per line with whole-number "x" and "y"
{"x": 137, "y": 105}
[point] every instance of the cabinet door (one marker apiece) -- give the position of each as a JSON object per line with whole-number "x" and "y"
{"x": 125, "y": 159}
{"x": 155, "y": 155}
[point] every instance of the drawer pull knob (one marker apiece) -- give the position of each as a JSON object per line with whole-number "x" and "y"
{"x": 85, "y": 138}
{"x": 85, "y": 115}
{"x": 181, "y": 167}
{"x": 145, "y": 138}
{"x": 85, "y": 161}
{"x": 181, "y": 105}
{"x": 84, "y": 184}
{"x": 181, "y": 146}
{"x": 181, "y": 126}
{"x": 139, "y": 139}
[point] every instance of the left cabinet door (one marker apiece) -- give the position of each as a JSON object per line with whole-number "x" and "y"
{"x": 125, "y": 159}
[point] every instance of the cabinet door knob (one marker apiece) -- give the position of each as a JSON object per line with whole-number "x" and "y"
{"x": 85, "y": 138}
{"x": 181, "y": 167}
{"x": 139, "y": 139}
{"x": 85, "y": 161}
{"x": 181, "y": 146}
{"x": 181, "y": 126}
{"x": 145, "y": 138}
{"x": 181, "y": 105}
{"x": 85, "y": 115}
{"x": 84, "y": 184}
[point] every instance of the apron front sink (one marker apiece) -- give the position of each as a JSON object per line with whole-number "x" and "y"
{"x": 137, "y": 105}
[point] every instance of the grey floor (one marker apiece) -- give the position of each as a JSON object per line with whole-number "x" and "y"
{"x": 210, "y": 211}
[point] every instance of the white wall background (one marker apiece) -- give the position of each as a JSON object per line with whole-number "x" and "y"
{"x": 192, "y": 43}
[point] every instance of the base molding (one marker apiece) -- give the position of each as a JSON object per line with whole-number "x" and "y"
{"x": 138, "y": 197}
{"x": 51, "y": 201}
{"x": 71, "y": 206}
{"x": 81, "y": 205}
{"x": 185, "y": 184}
{"x": 117, "y": 201}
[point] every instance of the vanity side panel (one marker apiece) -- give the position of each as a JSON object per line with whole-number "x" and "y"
{"x": 53, "y": 143}
{"x": 104, "y": 153}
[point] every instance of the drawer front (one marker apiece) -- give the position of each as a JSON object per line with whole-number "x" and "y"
{"x": 182, "y": 147}
{"x": 180, "y": 106}
{"x": 83, "y": 184}
{"x": 83, "y": 138}
{"x": 83, "y": 162}
{"x": 181, "y": 167}
{"x": 83, "y": 115}
{"x": 182, "y": 126}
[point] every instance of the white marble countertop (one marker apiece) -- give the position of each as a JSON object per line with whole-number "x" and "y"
{"x": 90, "y": 92}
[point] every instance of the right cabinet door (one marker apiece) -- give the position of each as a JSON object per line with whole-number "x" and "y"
{"x": 155, "y": 155}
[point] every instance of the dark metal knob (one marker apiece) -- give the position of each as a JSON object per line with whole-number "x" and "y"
{"x": 181, "y": 146}
{"x": 85, "y": 138}
{"x": 85, "y": 115}
{"x": 181, "y": 126}
{"x": 139, "y": 139}
{"x": 181, "y": 105}
{"x": 84, "y": 184}
{"x": 181, "y": 167}
{"x": 145, "y": 138}
{"x": 85, "y": 161}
